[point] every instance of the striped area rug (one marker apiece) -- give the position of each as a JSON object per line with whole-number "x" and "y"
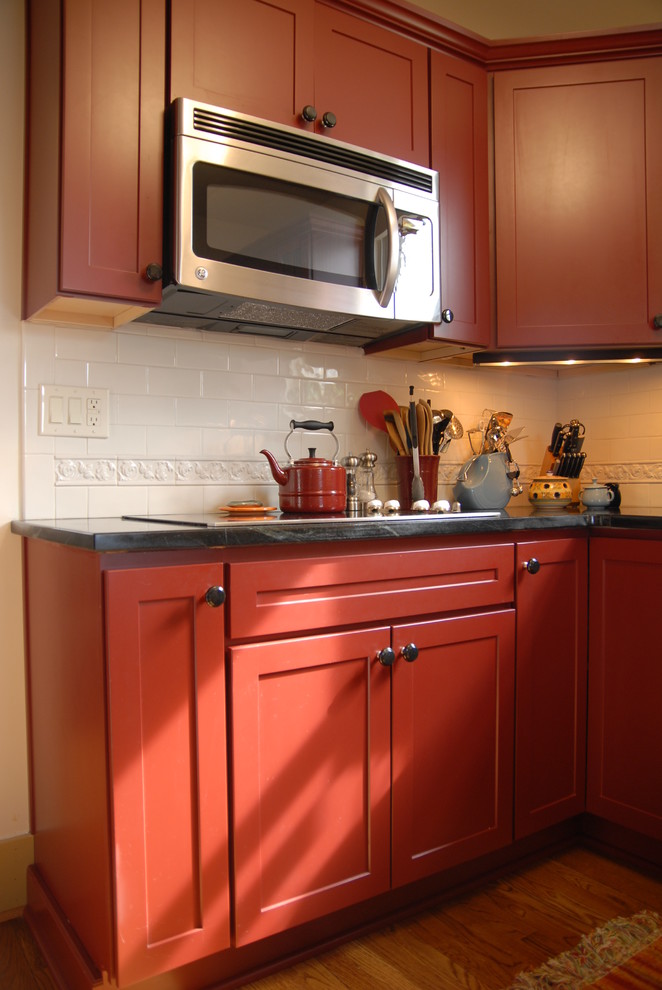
{"x": 624, "y": 954}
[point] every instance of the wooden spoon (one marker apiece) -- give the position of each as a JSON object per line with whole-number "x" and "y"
{"x": 396, "y": 431}
{"x": 422, "y": 426}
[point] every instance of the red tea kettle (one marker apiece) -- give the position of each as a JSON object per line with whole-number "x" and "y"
{"x": 310, "y": 484}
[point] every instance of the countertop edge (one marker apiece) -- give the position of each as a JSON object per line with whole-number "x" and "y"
{"x": 114, "y": 534}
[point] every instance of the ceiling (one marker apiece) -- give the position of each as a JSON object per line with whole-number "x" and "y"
{"x": 505, "y": 19}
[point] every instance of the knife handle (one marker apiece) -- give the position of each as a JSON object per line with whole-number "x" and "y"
{"x": 555, "y": 433}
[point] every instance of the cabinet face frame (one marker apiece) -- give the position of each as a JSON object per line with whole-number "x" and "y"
{"x": 166, "y": 702}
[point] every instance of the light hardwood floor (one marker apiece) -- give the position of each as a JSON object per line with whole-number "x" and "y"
{"x": 476, "y": 942}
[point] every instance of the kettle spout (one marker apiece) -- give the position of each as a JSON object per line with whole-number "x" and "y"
{"x": 278, "y": 474}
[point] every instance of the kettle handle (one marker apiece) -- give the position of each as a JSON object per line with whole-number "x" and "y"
{"x": 311, "y": 424}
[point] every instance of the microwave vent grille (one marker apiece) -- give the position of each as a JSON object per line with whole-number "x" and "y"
{"x": 242, "y": 129}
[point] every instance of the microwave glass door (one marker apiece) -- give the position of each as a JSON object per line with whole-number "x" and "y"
{"x": 268, "y": 224}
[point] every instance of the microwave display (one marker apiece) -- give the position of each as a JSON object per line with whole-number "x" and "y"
{"x": 268, "y": 224}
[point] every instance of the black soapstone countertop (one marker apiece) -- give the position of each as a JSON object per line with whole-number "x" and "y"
{"x": 181, "y": 531}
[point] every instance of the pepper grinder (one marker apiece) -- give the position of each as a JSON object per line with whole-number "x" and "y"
{"x": 350, "y": 463}
{"x": 366, "y": 489}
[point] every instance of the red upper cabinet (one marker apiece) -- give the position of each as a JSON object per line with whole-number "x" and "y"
{"x": 273, "y": 59}
{"x": 94, "y": 172}
{"x": 459, "y": 152}
{"x": 255, "y": 56}
{"x": 578, "y": 204}
{"x": 375, "y": 82}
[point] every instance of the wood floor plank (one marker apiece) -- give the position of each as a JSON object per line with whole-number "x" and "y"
{"x": 479, "y": 941}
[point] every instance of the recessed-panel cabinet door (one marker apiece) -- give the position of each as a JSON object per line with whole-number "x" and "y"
{"x": 624, "y": 776}
{"x": 112, "y": 148}
{"x": 459, "y": 131}
{"x": 578, "y": 187}
{"x": 166, "y": 696}
{"x": 310, "y": 778}
{"x": 254, "y": 56}
{"x": 375, "y": 82}
{"x": 550, "y": 719}
{"x": 452, "y": 742}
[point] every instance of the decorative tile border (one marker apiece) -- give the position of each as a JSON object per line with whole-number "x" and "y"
{"x": 166, "y": 471}
{"x": 136, "y": 471}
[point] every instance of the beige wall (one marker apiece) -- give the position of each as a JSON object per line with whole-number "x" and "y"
{"x": 501, "y": 19}
{"x": 13, "y": 760}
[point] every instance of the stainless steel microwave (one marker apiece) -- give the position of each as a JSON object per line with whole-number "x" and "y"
{"x": 297, "y": 236}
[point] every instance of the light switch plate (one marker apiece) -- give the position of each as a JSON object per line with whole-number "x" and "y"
{"x": 69, "y": 411}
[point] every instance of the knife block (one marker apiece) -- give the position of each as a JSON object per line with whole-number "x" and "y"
{"x": 547, "y": 465}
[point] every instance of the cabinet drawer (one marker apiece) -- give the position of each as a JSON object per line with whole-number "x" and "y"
{"x": 283, "y": 596}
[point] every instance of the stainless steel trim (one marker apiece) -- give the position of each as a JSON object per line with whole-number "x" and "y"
{"x": 386, "y": 294}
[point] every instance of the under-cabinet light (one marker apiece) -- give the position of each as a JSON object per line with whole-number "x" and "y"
{"x": 570, "y": 358}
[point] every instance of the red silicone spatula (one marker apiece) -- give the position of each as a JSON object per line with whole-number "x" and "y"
{"x": 373, "y": 405}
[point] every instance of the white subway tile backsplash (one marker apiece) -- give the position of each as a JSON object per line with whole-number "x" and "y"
{"x": 226, "y": 385}
{"x": 128, "y": 379}
{"x": 148, "y": 410}
{"x": 184, "y": 441}
{"x": 190, "y": 412}
{"x": 146, "y": 350}
{"x": 185, "y": 498}
{"x": 323, "y": 394}
{"x": 72, "y": 503}
{"x": 38, "y": 486}
{"x": 38, "y": 355}
{"x": 117, "y": 501}
{"x": 207, "y": 353}
{"x": 70, "y": 447}
{"x": 71, "y": 373}
{"x": 202, "y": 412}
{"x": 174, "y": 381}
{"x": 252, "y": 415}
{"x": 76, "y": 344}
{"x": 253, "y": 360}
{"x": 274, "y": 389}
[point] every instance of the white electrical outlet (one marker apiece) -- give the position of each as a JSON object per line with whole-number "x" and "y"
{"x": 68, "y": 411}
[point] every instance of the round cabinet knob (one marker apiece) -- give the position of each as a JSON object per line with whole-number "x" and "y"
{"x": 657, "y": 321}
{"x": 215, "y": 596}
{"x": 154, "y": 272}
{"x": 447, "y": 315}
{"x": 409, "y": 652}
{"x": 532, "y": 566}
{"x": 329, "y": 119}
{"x": 309, "y": 113}
{"x": 386, "y": 656}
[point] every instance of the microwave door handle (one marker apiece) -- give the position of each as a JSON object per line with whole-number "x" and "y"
{"x": 386, "y": 294}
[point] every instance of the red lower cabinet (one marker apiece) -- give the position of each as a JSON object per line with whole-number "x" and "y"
{"x": 550, "y": 767}
{"x": 311, "y": 774}
{"x": 320, "y": 771}
{"x": 452, "y": 742}
{"x": 166, "y": 688}
{"x": 625, "y": 683}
